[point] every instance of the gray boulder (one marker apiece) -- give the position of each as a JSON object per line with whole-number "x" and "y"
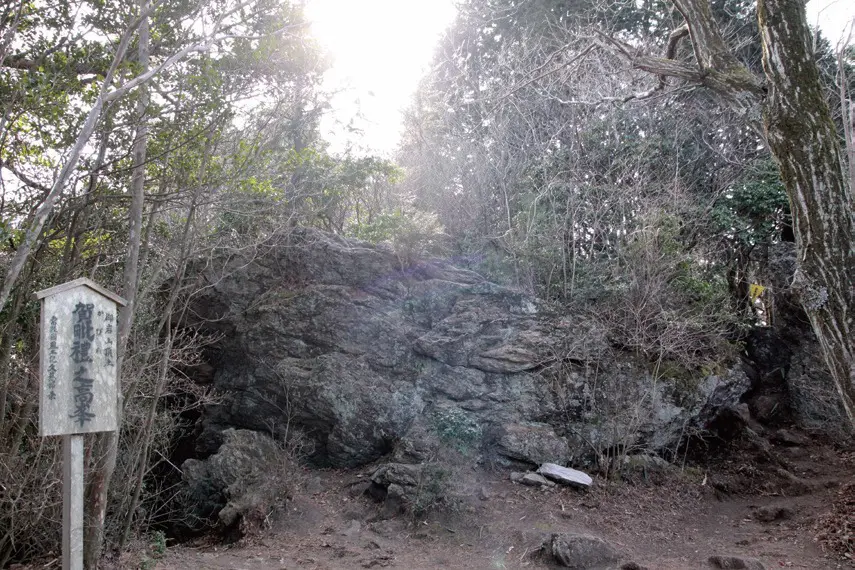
{"x": 247, "y": 477}
{"x": 771, "y": 513}
{"x": 632, "y": 409}
{"x": 415, "y": 488}
{"x": 535, "y": 480}
{"x": 534, "y": 443}
{"x": 792, "y": 382}
{"x": 331, "y": 337}
{"x": 582, "y": 552}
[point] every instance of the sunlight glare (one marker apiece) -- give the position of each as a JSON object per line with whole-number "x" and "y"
{"x": 381, "y": 49}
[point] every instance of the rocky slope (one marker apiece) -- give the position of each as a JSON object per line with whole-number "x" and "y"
{"x": 334, "y": 338}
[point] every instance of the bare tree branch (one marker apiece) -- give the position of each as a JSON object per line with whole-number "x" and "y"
{"x": 541, "y": 74}
{"x": 23, "y": 177}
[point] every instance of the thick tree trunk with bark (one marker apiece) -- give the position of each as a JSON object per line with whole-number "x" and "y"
{"x": 792, "y": 114}
{"x": 806, "y": 146}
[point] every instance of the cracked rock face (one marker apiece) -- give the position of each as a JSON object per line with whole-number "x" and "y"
{"x": 244, "y": 479}
{"x": 331, "y": 337}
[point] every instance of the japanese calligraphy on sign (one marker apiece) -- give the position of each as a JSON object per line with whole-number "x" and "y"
{"x": 78, "y": 392}
{"x": 53, "y": 350}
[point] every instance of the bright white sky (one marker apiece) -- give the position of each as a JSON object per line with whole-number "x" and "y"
{"x": 834, "y": 17}
{"x": 382, "y": 48}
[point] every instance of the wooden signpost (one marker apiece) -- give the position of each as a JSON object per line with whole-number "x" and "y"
{"x": 78, "y": 392}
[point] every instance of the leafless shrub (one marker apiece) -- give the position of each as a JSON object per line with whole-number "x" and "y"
{"x": 654, "y": 313}
{"x": 657, "y": 304}
{"x": 30, "y": 497}
{"x": 30, "y": 466}
{"x": 610, "y": 410}
{"x": 147, "y": 482}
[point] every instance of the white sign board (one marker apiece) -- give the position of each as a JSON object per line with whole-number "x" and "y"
{"x": 78, "y": 392}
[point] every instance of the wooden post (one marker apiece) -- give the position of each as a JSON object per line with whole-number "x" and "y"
{"x": 72, "y": 502}
{"x": 78, "y": 391}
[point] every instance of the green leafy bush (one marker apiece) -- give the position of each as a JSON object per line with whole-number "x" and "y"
{"x": 755, "y": 209}
{"x": 456, "y": 430}
{"x": 411, "y": 233}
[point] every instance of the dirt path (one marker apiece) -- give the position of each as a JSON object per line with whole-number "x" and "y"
{"x": 676, "y": 524}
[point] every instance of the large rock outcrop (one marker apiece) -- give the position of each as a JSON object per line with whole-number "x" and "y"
{"x": 332, "y": 337}
{"x": 790, "y": 379}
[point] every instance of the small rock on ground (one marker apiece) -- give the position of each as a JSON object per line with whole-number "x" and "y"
{"x": 735, "y": 563}
{"x": 314, "y": 486}
{"x": 582, "y": 551}
{"x": 352, "y": 529}
{"x": 535, "y": 480}
{"x": 790, "y": 438}
{"x": 772, "y": 513}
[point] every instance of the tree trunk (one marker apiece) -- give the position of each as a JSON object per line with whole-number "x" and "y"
{"x": 805, "y": 144}
{"x": 107, "y": 444}
{"x": 797, "y": 125}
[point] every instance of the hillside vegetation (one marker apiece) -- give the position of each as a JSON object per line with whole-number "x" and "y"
{"x": 595, "y": 209}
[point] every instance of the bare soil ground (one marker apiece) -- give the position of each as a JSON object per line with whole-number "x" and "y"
{"x": 672, "y": 520}
{"x": 675, "y": 521}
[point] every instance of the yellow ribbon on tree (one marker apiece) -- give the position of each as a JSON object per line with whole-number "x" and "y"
{"x": 754, "y": 291}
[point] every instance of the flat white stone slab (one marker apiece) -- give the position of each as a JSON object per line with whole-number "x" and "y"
{"x": 565, "y": 475}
